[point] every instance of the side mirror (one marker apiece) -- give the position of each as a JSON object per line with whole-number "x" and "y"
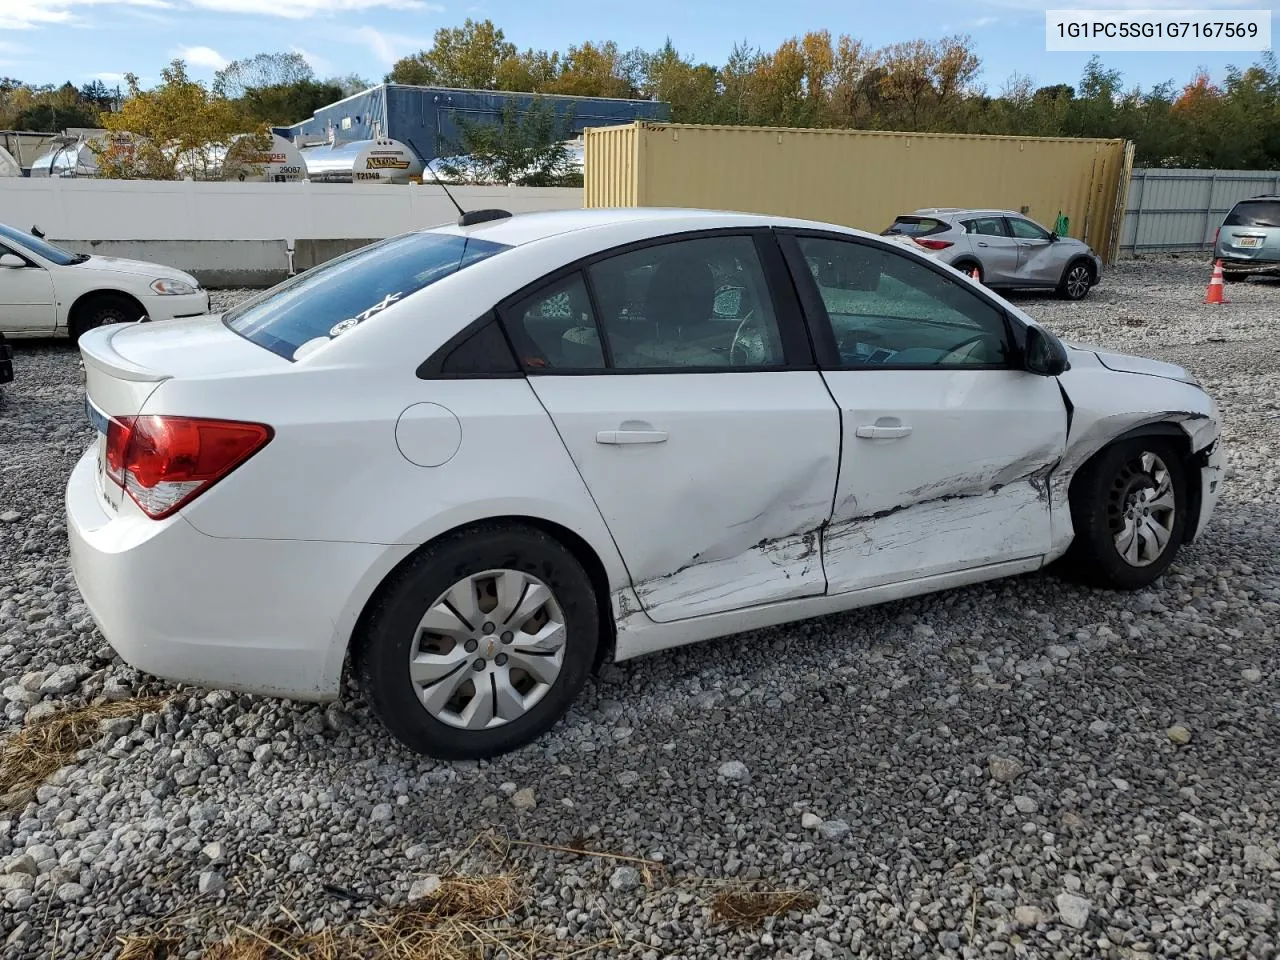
{"x": 12, "y": 261}
{"x": 1054, "y": 238}
{"x": 728, "y": 302}
{"x": 1045, "y": 355}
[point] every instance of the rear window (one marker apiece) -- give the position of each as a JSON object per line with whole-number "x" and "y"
{"x": 1254, "y": 213}
{"x": 325, "y": 302}
{"x": 916, "y": 227}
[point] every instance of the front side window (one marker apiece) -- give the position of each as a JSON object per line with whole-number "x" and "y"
{"x": 314, "y": 307}
{"x": 1026, "y": 230}
{"x": 889, "y": 310}
{"x": 699, "y": 303}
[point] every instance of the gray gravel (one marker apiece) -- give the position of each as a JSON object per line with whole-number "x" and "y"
{"x": 1024, "y": 768}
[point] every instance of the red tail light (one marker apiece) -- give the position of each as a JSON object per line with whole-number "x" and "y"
{"x": 164, "y": 463}
{"x": 932, "y": 244}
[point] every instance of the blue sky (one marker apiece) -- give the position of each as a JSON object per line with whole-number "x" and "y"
{"x": 47, "y": 41}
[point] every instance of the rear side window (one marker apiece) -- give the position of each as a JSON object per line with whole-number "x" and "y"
{"x": 917, "y": 226}
{"x": 1254, "y": 213}
{"x": 327, "y": 301}
{"x": 987, "y": 227}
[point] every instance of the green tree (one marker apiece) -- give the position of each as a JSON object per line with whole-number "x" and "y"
{"x": 526, "y": 148}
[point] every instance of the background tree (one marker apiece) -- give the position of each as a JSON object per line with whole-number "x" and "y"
{"x": 526, "y": 148}
{"x": 178, "y": 121}
{"x": 469, "y": 56}
{"x": 274, "y": 88}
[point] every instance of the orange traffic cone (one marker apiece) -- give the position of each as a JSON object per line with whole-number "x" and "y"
{"x": 1215, "y": 293}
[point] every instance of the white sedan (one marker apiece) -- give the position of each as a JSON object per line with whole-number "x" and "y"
{"x": 47, "y": 291}
{"x": 477, "y": 459}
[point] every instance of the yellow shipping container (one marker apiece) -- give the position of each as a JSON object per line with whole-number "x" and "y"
{"x": 860, "y": 178}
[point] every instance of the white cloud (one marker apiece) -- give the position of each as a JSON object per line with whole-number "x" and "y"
{"x": 299, "y": 9}
{"x": 109, "y": 78}
{"x": 388, "y": 47}
{"x": 205, "y": 57}
{"x": 33, "y": 14}
{"x": 29, "y": 14}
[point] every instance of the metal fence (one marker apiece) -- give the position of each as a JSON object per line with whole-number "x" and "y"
{"x": 1173, "y": 211}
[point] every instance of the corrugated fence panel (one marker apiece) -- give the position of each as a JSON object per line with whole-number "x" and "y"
{"x": 862, "y": 178}
{"x": 611, "y": 166}
{"x": 1178, "y": 210}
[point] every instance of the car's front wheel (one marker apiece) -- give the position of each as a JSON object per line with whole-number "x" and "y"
{"x": 1128, "y": 507}
{"x": 480, "y": 644}
{"x": 1076, "y": 282}
{"x": 103, "y": 309}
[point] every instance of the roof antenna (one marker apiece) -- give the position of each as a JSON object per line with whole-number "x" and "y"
{"x": 466, "y": 219}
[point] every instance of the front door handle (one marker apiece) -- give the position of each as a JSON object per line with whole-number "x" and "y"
{"x": 871, "y": 431}
{"x": 631, "y": 436}
{"x": 983, "y": 244}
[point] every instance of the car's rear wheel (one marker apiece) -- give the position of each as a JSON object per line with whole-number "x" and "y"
{"x": 1128, "y": 507}
{"x": 968, "y": 266}
{"x": 480, "y": 644}
{"x": 1076, "y": 282}
{"x": 104, "y": 309}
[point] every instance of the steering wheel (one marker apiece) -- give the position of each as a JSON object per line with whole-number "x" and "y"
{"x": 961, "y": 351}
{"x": 739, "y": 345}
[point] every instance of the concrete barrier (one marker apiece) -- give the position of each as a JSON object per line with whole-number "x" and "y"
{"x": 215, "y": 263}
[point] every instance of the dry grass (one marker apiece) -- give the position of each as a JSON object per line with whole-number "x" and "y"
{"x": 747, "y": 908}
{"x": 34, "y": 753}
{"x": 465, "y": 918}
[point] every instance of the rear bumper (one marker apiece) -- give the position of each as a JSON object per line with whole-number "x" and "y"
{"x": 268, "y": 617}
{"x": 1235, "y": 263}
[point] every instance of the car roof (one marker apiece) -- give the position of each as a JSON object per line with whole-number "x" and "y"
{"x": 965, "y": 211}
{"x": 522, "y": 228}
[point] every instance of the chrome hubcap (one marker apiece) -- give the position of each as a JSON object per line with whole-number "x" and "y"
{"x": 1078, "y": 281}
{"x": 1142, "y": 510}
{"x": 488, "y": 649}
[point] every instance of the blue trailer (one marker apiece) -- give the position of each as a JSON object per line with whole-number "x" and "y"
{"x": 424, "y": 117}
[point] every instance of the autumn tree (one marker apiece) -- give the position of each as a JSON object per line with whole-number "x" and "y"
{"x": 598, "y": 70}
{"x": 179, "y": 122}
{"x": 274, "y": 88}
{"x": 470, "y": 56}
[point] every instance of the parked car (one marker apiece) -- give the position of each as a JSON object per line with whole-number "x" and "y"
{"x": 480, "y": 458}
{"x": 1248, "y": 242}
{"x": 1008, "y": 250}
{"x": 47, "y": 291}
{"x": 6, "y": 361}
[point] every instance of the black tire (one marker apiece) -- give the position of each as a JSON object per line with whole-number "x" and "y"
{"x": 382, "y": 648}
{"x": 1099, "y": 497}
{"x": 103, "y": 309}
{"x": 1076, "y": 282}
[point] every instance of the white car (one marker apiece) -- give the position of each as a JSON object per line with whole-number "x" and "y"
{"x": 47, "y": 291}
{"x": 477, "y": 459}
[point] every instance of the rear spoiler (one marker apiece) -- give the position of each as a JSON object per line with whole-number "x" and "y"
{"x": 95, "y": 347}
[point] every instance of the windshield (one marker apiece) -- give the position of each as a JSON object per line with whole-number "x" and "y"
{"x": 41, "y": 248}
{"x": 1254, "y": 213}
{"x": 325, "y": 302}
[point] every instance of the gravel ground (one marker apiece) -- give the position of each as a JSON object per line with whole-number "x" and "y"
{"x": 1024, "y": 768}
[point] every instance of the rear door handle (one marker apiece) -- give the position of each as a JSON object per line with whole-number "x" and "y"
{"x": 872, "y": 432}
{"x": 631, "y": 436}
{"x": 983, "y": 244}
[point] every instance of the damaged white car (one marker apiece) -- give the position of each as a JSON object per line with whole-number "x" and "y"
{"x": 474, "y": 461}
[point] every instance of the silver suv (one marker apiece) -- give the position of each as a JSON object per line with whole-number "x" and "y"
{"x": 1007, "y": 249}
{"x": 1248, "y": 242}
